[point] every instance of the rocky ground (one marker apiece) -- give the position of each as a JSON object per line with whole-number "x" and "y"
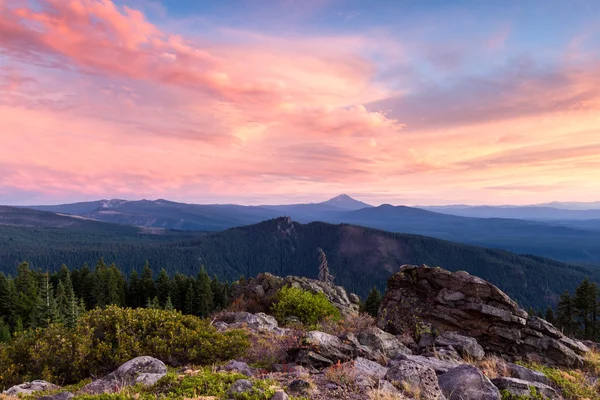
{"x": 439, "y": 335}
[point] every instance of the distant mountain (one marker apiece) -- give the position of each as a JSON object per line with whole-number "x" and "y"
{"x": 358, "y": 257}
{"x": 81, "y": 208}
{"x": 534, "y": 213}
{"x": 346, "y": 202}
{"x": 594, "y": 205}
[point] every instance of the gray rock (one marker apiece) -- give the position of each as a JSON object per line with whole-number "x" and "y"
{"x": 474, "y": 308}
{"x": 221, "y": 326}
{"x": 466, "y": 346}
{"x": 385, "y": 387}
{"x": 388, "y": 344}
{"x": 280, "y": 396}
{"x": 439, "y": 366}
{"x": 299, "y": 386}
{"x": 467, "y": 383}
{"x": 30, "y": 387}
{"x": 520, "y": 387}
{"x": 58, "y": 396}
{"x": 144, "y": 370}
{"x": 415, "y": 378}
{"x": 369, "y": 368}
{"x": 240, "y": 386}
{"x": 520, "y": 372}
{"x": 239, "y": 367}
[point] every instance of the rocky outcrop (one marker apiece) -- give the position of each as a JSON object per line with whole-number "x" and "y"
{"x": 259, "y": 293}
{"x": 468, "y": 305}
{"x": 259, "y": 322}
{"x": 143, "y": 370}
{"x": 439, "y": 366}
{"x": 30, "y": 388}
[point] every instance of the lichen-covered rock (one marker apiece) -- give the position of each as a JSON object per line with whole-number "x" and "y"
{"x": 239, "y": 367}
{"x": 465, "y": 345}
{"x": 30, "y": 388}
{"x": 280, "y": 396}
{"x": 439, "y": 366}
{"x": 467, "y": 383}
{"x": 519, "y": 387}
{"x": 413, "y": 377}
{"x": 388, "y": 344}
{"x": 520, "y": 372}
{"x": 259, "y": 293}
{"x": 240, "y": 386}
{"x": 470, "y": 306}
{"x": 299, "y": 386}
{"x": 259, "y": 322}
{"x": 143, "y": 370}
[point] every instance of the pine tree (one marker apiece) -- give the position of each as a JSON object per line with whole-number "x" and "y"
{"x": 27, "y": 296}
{"x": 48, "y": 309}
{"x": 163, "y": 287}
{"x": 169, "y": 304}
{"x": 148, "y": 288}
{"x": 203, "y": 296}
{"x": 585, "y": 302}
{"x": 134, "y": 294}
{"x": 373, "y": 302}
{"x": 565, "y": 314}
{"x": 189, "y": 299}
{"x": 550, "y": 315}
{"x": 220, "y": 298}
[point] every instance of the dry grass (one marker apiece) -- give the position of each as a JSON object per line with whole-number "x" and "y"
{"x": 350, "y": 324}
{"x": 380, "y": 394}
{"x": 493, "y": 367}
{"x": 342, "y": 374}
{"x": 268, "y": 348}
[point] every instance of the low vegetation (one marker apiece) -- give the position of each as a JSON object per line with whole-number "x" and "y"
{"x": 309, "y": 308}
{"x": 104, "y": 339}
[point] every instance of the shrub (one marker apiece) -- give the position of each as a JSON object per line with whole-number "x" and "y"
{"x": 106, "y": 338}
{"x": 270, "y": 348}
{"x": 307, "y": 307}
{"x": 573, "y": 384}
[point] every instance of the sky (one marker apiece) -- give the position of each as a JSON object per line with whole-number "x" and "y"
{"x": 285, "y": 101}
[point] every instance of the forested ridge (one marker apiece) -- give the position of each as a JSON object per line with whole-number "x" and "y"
{"x": 359, "y": 257}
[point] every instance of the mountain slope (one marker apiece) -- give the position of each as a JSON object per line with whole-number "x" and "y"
{"x": 359, "y": 257}
{"x": 535, "y": 213}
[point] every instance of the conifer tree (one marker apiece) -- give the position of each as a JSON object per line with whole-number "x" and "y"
{"x": 565, "y": 314}
{"x": 550, "y": 315}
{"x": 47, "y": 307}
{"x": 203, "y": 296}
{"x": 163, "y": 287}
{"x": 189, "y": 299}
{"x": 169, "y": 304}
{"x": 148, "y": 288}
{"x": 373, "y": 302}
{"x": 134, "y": 294}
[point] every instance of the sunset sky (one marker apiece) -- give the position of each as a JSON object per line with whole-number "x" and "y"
{"x": 283, "y": 101}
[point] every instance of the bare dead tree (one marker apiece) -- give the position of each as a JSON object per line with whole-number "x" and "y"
{"x": 324, "y": 275}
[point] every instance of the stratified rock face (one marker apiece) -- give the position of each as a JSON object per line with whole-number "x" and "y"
{"x": 258, "y": 293}
{"x": 143, "y": 370}
{"x": 463, "y": 303}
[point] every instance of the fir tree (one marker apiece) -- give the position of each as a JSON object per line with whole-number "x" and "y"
{"x": 169, "y": 304}
{"x": 48, "y": 309}
{"x": 373, "y": 302}
{"x": 550, "y": 315}
{"x": 203, "y": 296}
{"x": 189, "y": 299}
{"x": 148, "y": 288}
{"x": 565, "y": 314}
{"x": 163, "y": 287}
{"x": 134, "y": 294}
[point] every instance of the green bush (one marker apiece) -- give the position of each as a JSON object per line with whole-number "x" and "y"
{"x": 106, "y": 338}
{"x": 307, "y": 307}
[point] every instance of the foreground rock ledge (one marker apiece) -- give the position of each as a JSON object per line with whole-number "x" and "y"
{"x": 460, "y": 302}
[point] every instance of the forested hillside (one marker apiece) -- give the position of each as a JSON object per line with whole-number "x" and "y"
{"x": 358, "y": 257}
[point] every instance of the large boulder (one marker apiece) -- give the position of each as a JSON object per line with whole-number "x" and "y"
{"x": 143, "y": 370}
{"x": 30, "y": 388}
{"x": 415, "y": 379}
{"x": 470, "y": 306}
{"x": 386, "y": 343}
{"x": 520, "y": 372}
{"x": 467, "y": 383}
{"x": 522, "y": 388}
{"x": 466, "y": 346}
{"x": 259, "y": 322}
{"x": 258, "y": 294}
{"x": 436, "y": 364}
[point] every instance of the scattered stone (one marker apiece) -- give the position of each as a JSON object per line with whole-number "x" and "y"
{"x": 240, "y": 386}
{"x": 238, "y": 366}
{"x": 30, "y": 387}
{"x": 388, "y": 344}
{"x": 467, "y": 383}
{"x": 472, "y": 307}
{"x": 280, "y": 396}
{"x": 520, "y": 372}
{"x": 466, "y": 346}
{"x": 386, "y": 387}
{"x": 369, "y": 368}
{"x": 299, "y": 386}
{"x": 58, "y": 396}
{"x": 145, "y": 370}
{"x": 413, "y": 377}
{"x": 448, "y": 353}
{"x": 221, "y": 326}
{"x": 520, "y": 387}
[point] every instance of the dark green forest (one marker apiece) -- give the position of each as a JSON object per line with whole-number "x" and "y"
{"x": 358, "y": 257}
{"x": 34, "y": 298}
